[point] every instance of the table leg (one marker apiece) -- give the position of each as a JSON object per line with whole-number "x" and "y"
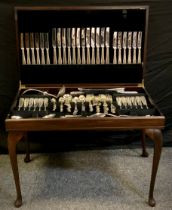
{"x": 144, "y": 152}
{"x": 27, "y": 157}
{"x": 13, "y": 139}
{"x": 156, "y": 136}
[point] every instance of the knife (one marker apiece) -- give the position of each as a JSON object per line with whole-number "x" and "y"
{"x": 69, "y": 45}
{"x": 107, "y": 44}
{"x": 59, "y": 45}
{"x": 97, "y": 45}
{"x": 37, "y": 48}
{"x": 124, "y": 44}
{"x": 93, "y": 45}
{"x": 64, "y": 45}
{"x": 78, "y": 45}
{"x": 119, "y": 47}
{"x": 54, "y": 46}
{"x": 102, "y": 42}
{"x": 22, "y": 48}
{"x": 88, "y": 39}
{"x": 83, "y": 44}
{"x": 134, "y": 46}
{"x": 42, "y": 45}
{"x": 32, "y": 47}
{"x": 73, "y": 46}
{"x": 129, "y": 46}
{"x": 46, "y": 36}
{"x": 139, "y": 46}
{"x": 27, "y": 48}
{"x": 115, "y": 34}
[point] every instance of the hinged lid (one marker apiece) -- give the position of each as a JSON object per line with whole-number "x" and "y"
{"x": 127, "y": 27}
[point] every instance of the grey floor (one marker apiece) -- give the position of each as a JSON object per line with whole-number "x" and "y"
{"x": 104, "y": 179}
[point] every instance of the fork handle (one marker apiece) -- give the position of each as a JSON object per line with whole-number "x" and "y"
{"x": 23, "y": 56}
{"x": 47, "y": 56}
{"x": 54, "y": 55}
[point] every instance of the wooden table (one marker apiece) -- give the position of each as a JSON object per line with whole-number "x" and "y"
{"x": 150, "y": 126}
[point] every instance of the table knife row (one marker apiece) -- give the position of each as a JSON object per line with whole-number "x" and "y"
{"x": 89, "y": 45}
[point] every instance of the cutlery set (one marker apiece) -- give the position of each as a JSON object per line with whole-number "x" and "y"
{"x": 89, "y": 45}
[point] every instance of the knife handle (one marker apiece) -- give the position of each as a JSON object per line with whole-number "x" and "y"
{"x": 102, "y": 55}
{"x": 59, "y": 56}
{"x": 23, "y": 56}
{"x": 97, "y": 55}
{"x": 88, "y": 55}
{"x": 124, "y": 56}
{"x": 107, "y": 55}
{"x": 42, "y": 56}
{"x": 119, "y": 56}
{"x": 78, "y": 55}
{"x": 37, "y": 56}
{"x": 33, "y": 56}
{"x": 74, "y": 55}
{"x": 69, "y": 56}
{"x": 114, "y": 57}
{"x": 47, "y": 56}
{"x": 83, "y": 55}
{"x": 54, "y": 55}
{"x": 129, "y": 56}
{"x": 93, "y": 55}
{"x": 139, "y": 55}
{"x": 134, "y": 55}
{"x": 28, "y": 56}
{"x": 64, "y": 55}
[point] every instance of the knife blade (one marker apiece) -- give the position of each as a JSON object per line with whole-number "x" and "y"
{"x": 27, "y": 48}
{"x": 59, "y": 45}
{"x": 139, "y": 45}
{"x": 107, "y": 43}
{"x": 73, "y": 46}
{"x": 54, "y": 46}
{"x": 97, "y": 45}
{"x": 37, "y": 36}
{"x": 115, "y": 35}
{"x": 102, "y": 43}
{"x": 93, "y": 45}
{"x": 83, "y": 44}
{"x": 22, "y": 48}
{"x": 129, "y": 46}
{"x": 32, "y": 47}
{"x": 42, "y": 46}
{"x": 88, "y": 39}
{"x": 124, "y": 44}
{"x": 78, "y": 45}
{"x": 64, "y": 45}
{"x": 46, "y": 36}
{"x": 119, "y": 47}
{"x": 69, "y": 45}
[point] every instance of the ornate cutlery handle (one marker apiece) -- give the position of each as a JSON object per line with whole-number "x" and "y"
{"x": 134, "y": 56}
{"x": 102, "y": 55}
{"x": 114, "y": 57}
{"x": 42, "y": 56}
{"x": 47, "y": 56}
{"x": 124, "y": 56}
{"x": 74, "y": 55}
{"x": 93, "y": 55}
{"x": 88, "y": 55}
{"x": 83, "y": 55}
{"x": 59, "y": 56}
{"x": 119, "y": 56}
{"x": 97, "y": 55}
{"x": 33, "y": 56}
{"x": 37, "y": 56}
{"x": 23, "y": 56}
{"x": 107, "y": 55}
{"x": 28, "y": 56}
{"x": 64, "y": 56}
{"x": 129, "y": 56}
{"x": 69, "y": 56}
{"x": 139, "y": 55}
{"x": 54, "y": 56}
{"x": 78, "y": 56}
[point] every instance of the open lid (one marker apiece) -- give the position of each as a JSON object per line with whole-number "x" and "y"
{"x": 130, "y": 20}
